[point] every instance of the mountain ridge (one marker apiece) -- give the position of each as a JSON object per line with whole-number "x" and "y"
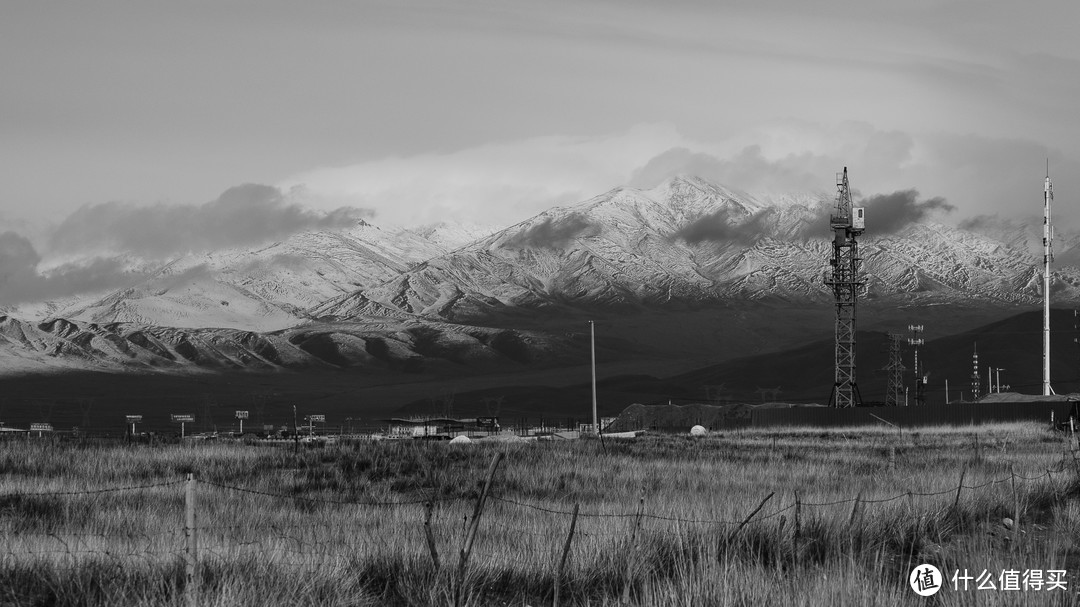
{"x": 681, "y": 249}
{"x": 690, "y": 241}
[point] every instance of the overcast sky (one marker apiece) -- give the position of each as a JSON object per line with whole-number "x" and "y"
{"x": 493, "y": 111}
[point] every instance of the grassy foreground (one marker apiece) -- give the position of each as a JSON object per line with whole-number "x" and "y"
{"x": 664, "y": 520}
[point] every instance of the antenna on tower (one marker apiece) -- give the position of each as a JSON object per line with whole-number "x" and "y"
{"x": 975, "y": 378}
{"x": 847, "y": 223}
{"x": 1048, "y": 235}
{"x": 915, "y": 340}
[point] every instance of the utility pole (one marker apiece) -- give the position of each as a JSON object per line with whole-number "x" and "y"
{"x": 847, "y": 224}
{"x": 915, "y": 340}
{"x": 997, "y": 372}
{"x": 592, "y": 349}
{"x": 894, "y": 372}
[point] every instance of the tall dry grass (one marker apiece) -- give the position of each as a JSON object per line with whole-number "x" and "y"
{"x": 342, "y": 525}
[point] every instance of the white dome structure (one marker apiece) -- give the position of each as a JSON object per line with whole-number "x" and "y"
{"x": 461, "y": 440}
{"x": 698, "y": 431}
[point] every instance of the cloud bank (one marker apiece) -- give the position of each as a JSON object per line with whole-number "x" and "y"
{"x": 20, "y": 281}
{"x": 888, "y": 213}
{"x": 244, "y": 215}
{"x": 977, "y": 175}
{"x": 507, "y": 182}
{"x": 498, "y": 183}
{"x": 90, "y": 250}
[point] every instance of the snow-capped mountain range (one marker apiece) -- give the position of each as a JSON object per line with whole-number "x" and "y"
{"x": 690, "y": 242}
{"x": 685, "y": 243}
{"x": 260, "y": 289}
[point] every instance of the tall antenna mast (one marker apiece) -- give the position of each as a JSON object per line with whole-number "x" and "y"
{"x": 847, "y": 224}
{"x": 592, "y": 350}
{"x": 1048, "y": 235}
{"x": 976, "y": 389}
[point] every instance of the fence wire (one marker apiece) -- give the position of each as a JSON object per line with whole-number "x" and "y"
{"x": 341, "y": 542}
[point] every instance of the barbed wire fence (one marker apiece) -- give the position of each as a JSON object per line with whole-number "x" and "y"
{"x": 333, "y": 534}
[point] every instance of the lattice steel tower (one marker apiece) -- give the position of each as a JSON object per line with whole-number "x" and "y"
{"x": 847, "y": 223}
{"x": 894, "y": 390}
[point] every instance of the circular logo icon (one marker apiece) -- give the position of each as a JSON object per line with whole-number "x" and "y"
{"x": 925, "y": 580}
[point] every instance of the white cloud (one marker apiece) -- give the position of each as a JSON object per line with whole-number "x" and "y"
{"x": 497, "y": 183}
{"x": 978, "y": 175}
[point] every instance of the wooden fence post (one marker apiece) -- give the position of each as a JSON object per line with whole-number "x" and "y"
{"x": 856, "y": 510}
{"x": 190, "y": 531}
{"x": 956, "y": 502}
{"x": 565, "y": 553}
{"x": 750, "y": 516}
{"x": 633, "y": 548}
{"x": 428, "y": 508}
{"x": 474, "y": 526}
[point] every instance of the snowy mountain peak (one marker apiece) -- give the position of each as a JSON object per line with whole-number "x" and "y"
{"x": 685, "y": 242}
{"x": 688, "y": 242}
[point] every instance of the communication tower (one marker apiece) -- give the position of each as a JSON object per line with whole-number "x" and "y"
{"x": 894, "y": 389}
{"x": 847, "y": 224}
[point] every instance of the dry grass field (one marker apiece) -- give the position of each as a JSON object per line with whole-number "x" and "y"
{"x": 663, "y": 520}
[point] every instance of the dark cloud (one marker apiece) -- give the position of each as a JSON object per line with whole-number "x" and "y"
{"x": 21, "y": 282}
{"x": 988, "y": 176}
{"x": 243, "y": 215}
{"x": 985, "y": 224}
{"x": 888, "y": 213}
{"x": 16, "y": 254}
{"x": 1023, "y": 236}
{"x": 885, "y": 214}
{"x": 553, "y": 233}
{"x": 720, "y": 227}
{"x": 813, "y": 224}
